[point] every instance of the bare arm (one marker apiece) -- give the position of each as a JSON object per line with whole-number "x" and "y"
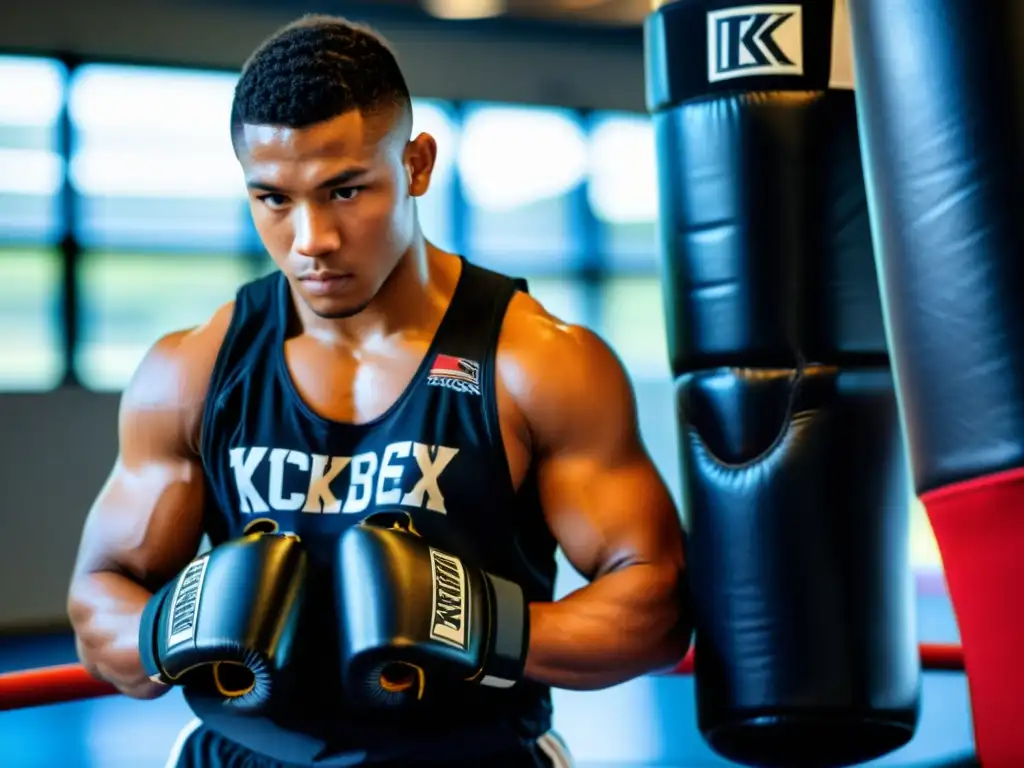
{"x": 609, "y": 510}
{"x": 146, "y": 523}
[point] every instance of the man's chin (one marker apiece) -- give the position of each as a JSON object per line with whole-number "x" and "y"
{"x": 336, "y": 310}
{"x": 336, "y": 305}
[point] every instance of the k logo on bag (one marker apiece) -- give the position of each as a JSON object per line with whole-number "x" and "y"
{"x": 755, "y": 40}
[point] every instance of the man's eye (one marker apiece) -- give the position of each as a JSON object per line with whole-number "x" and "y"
{"x": 273, "y": 200}
{"x": 346, "y": 193}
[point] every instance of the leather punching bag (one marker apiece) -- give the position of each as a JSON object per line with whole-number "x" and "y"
{"x": 940, "y": 92}
{"x": 794, "y": 474}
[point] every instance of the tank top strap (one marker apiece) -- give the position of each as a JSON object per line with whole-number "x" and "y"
{"x": 245, "y": 337}
{"x": 463, "y": 353}
{"x": 473, "y": 321}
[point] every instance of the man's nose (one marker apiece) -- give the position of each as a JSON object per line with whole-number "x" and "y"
{"x": 315, "y": 232}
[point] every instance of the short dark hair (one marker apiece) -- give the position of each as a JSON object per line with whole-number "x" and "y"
{"x": 316, "y": 68}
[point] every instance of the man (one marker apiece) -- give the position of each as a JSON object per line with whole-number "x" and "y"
{"x": 377, "y": 372}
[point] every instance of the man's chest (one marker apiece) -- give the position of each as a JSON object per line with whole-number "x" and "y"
{"x": 354, "y": 386}
{"x": 271, "y": 454}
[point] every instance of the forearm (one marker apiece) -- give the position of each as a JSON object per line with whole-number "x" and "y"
{"x": 105, "y": 610}
{"x": 622, "y": 625}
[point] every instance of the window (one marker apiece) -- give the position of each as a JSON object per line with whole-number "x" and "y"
{"x": 633, "y": 324}
{"x": 128, "y": 302}
{"x": 31, "y": 169}
{"x": 520, "y": 169}
{"x": 152, "y": 159}
{"x": 623, "y": 190}
{"x": 435, "y": 207}
{"x": 31, "y": 347}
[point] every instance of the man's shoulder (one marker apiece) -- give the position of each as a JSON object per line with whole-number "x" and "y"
{"x": 195, "y": 349}
{"x": 175, "y": 372}
{"x": 186, "y": 359}
{"x": 193, "y": 352}
{"x": 567, "y": 385}
{"x": 546, "y": 363}
{"x": 532, "y": 335}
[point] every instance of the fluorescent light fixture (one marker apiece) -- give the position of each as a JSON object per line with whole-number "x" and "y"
{"x": 465, "y": 9}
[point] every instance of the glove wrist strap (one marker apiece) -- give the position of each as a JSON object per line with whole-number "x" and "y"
{"x": 509, "y": 638}
{"x": 150, "y": 627}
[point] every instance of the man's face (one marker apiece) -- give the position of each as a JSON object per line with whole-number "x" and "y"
{"x": 334, "y": 202}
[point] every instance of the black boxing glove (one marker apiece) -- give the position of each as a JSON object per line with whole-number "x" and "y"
{"x": 412, "y": 613}
{"x": 227, "y": 620}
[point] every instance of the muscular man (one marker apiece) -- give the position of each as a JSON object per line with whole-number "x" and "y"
{"x": 373, "y": 372}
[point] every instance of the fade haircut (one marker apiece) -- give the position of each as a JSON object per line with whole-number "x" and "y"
{"x": 314, "y": 69}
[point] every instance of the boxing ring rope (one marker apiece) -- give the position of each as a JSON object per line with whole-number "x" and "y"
{"x": 71, "y": 682}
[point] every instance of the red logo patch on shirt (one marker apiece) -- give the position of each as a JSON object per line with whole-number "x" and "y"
{"x": 455, "y": 373}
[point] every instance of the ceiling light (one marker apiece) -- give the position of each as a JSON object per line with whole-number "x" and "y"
{"x": 465, "y": 9}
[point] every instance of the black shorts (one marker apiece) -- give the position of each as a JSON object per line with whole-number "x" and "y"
{"x": 199, "y": 747}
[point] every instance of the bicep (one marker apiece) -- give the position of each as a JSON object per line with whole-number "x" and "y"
{"x": 607, "y": 512}
{"x": 146, "y": 522}
{"x": 604, "y": 499}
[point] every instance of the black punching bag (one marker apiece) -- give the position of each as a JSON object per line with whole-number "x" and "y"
{"x": 940, "y": 92}
{"x": 794, "y": 474}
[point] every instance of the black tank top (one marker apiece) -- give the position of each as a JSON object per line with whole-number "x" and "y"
{"x": 437, "y": 452}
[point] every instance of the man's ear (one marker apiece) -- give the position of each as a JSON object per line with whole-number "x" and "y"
{"x": 420, "y": 155}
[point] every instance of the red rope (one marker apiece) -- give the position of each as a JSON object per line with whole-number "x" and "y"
{"x": 70, "y": 682}
{"x": 49, "y": 685}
